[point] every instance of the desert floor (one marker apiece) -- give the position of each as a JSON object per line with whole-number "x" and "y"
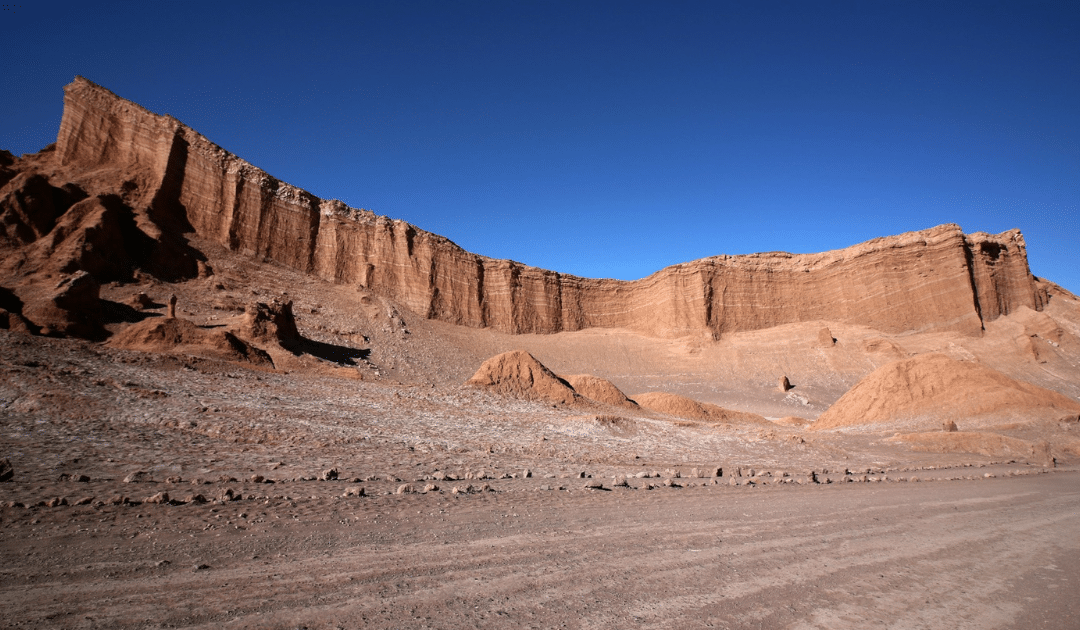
{"x": 799, "y": 530}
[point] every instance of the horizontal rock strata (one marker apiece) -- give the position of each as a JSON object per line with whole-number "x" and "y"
{"x": 936, "y": 279}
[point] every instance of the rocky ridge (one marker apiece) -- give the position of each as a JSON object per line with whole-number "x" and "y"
{"x": 146, "y": 179}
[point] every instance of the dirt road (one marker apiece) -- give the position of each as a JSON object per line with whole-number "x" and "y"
{"x": 988, "y": 553}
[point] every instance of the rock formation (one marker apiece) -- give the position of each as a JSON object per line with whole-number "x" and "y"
{"x": 929, "y": 388}
{"x": 148, "y": 178}
{"x": 520, "y": 375}
{"x": 600, "y": 390}
{"x": 174, "y": 334}
{"x": 272, "y": 322}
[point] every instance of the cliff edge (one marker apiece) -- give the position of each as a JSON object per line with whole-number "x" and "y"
{"x": 935, "y": 279}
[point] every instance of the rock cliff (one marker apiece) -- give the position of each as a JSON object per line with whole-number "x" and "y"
{"x": 936, "y": 279}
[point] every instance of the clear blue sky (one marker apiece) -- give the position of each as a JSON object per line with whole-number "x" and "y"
{"x": 606, "y": 139}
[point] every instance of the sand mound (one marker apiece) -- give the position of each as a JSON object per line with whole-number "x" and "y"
{"x": 599, "y": 389}
{"x": 933, "y": 387}
{"x": 682, "y": 407}
{"x": 988, "y": 444}
{"x": 173, "y": 334}
{"x": 519, "y": 374}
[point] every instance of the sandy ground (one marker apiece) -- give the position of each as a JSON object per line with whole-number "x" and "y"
{"x": 800, "y": 530}
{"x": 996, "y": 552}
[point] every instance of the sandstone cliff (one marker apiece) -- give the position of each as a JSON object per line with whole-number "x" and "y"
{"x": 936, "y": 279}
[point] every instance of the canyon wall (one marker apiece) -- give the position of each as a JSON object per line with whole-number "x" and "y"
{"x": 936, "y": 279}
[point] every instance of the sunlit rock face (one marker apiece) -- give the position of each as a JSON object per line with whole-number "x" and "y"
{"x": 935, "y": 279}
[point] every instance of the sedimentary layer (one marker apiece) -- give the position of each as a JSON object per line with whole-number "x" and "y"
{"x": 936, "y": 279}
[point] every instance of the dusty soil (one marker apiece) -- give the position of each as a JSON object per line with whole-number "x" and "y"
{"x": 800, "y": 530}
{"x": 986, "y": 553}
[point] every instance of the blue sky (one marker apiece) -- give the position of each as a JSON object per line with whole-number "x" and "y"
{"x": 606, "y": 139}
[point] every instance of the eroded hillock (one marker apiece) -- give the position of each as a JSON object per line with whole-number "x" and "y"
{"x": 520, "y": 375}
{"x": 933, "y": 387}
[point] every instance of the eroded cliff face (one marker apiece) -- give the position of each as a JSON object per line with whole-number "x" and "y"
{"x": 934, "y": 279}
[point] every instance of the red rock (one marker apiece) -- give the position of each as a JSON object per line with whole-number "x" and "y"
{"x": 944, "y": 279}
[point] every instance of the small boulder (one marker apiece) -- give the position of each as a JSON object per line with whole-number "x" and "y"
{"x": 158, "y": 498}
{"x": 949, "y": 426}
{"x": 7, "y": 472}
{"x": 784, "y": 384}
{"x": 329, "y": 475}
{"x": 139, "y": 476}
{"x": 825, "y": 338}
{"x": 140, "y": 301}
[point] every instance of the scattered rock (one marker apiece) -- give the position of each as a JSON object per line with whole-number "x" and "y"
{"x": 158, "y": 498}
{"x": 949, "y": 426}
{"x": 405, "y": 489}
{"x": 140, "y": 301}
{"x": 84, "y": 501}
{"x": 140, "y": 476}
{"x": 7, "y": 472}
{"x": 784, "y": 384}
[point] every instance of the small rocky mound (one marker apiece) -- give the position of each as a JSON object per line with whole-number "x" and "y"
{"x": 272, "y": 322}
{"x": 930, "y": 388}
{"x": 793, "y": 421}
{"x": 600, "y": 390}
{"x": 520, "y": 375}
{"x": 70, "y": 308}
{"x": 682, "y": 407}
{"x": 173, "y": 334}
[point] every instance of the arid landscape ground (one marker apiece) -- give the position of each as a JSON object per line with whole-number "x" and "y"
{"x": 400, "y": 437}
